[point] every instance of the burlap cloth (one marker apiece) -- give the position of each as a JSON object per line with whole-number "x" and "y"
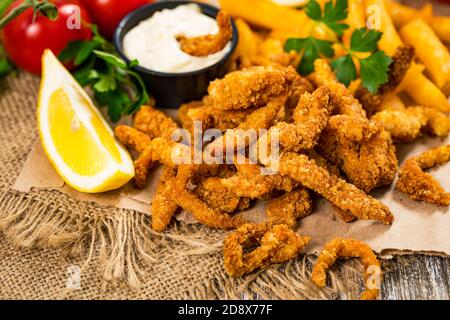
{"x": 45, "y": 233}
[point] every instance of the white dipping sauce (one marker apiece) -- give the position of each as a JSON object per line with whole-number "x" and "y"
{"x": 153, "y": 42}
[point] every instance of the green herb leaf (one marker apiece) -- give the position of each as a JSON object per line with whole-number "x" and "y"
{"x": 111, "y": 59}
{"x": 116, "y": 101}
{"x": 313, "y": 10}
{"x": 365, "y": 40}
{"x": 84, "y": 51}
{"x": 106, "y": 82}
{"x": 69, "y": 53}
{"x": 310, "y": 49}
{"x": 345, "y": 69}
{"x": 374, "y": 70}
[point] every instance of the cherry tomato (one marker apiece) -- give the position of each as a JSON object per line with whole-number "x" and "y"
{"x": 25, "y": 40}
{"x": 108, "y": 13}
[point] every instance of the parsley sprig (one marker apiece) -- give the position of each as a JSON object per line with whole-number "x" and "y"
{"x": 373, "y": 69}
{"x": 114, "y": 83}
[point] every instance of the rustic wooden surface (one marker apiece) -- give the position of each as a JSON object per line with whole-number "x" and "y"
{"x": 424, "y": 278}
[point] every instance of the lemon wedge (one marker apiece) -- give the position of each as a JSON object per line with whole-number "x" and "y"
{"x": 291, "y": 3}
{"x": 77, "y": 140}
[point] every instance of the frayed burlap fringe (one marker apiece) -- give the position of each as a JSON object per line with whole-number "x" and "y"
{"x": 121, "y": 242}
{"x": 122, "y": 245}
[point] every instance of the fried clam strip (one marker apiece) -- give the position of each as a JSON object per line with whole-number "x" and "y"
{"x": 220, "y": 198}
{"x": 350, "y": 139}
{"x": 154, "y": 122}
{"x": 211, "y": 117}
{"x": 277, "y": 244}
{"x": 138, "y": 141}
{"x": 250, "y": 182}
{"x": 256, "y": 87}
{"x": 199, "y": 209}
{"x": 150, "y": 151}
{"x": 203, "y": 46}
{"x": 345, "y": 102}
{"x": 289, "y": 207}
{"x": 247, "y": 132}
{"x": 310, "y": 118}
{"x": 419, "y": 185}
{"x": 163, "y": 207}
{"x": 401, "y": 61}
{"x": 363, "y": 150}
{"x": 408, "y": 124}
{"x": 344, "y": 215}
{"x": 344, "y": 195}
{"x": 349, "y": 248}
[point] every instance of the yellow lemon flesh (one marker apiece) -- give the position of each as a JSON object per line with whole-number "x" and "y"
{"x": 77, "y": 140}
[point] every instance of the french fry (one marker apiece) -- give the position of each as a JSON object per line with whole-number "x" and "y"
{"x": 430, "y": 50}
{"x": 355, "y": 19}
{"x": 268, "y": 14}
{"x": 402, "y": 14}
{"x": 248, "y": 41}
{"x": 441, "y": 25}
{"x": 420, "y": 88}
{"x": 425, "y": 93}
{"x": 390, "y": 40}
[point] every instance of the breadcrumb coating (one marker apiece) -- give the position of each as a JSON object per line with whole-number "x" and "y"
{"x": 349, "y": 248}
{"x": 255, "y": 87}
{"x": 344, "y": 195}
{"x": 277, "y": 244}
{"x": 289, "y": 207}
{"x": 154, "y": 122}
{"x": 421, "y": 186}
{"x": 163, "y": 207}
{"x": 199, "y": 209}
{"x": 203, "y": 46}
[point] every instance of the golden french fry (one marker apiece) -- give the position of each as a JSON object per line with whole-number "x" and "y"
{"x": 429, "y": 49}
{"x": 402, "y": 14}
{"x": 420, "y": 88}
{"x": 390, "y": 40}
{"x": 268, "y": 14}
{"x": 355, "y": 19}
{"x": 248, "y": 40}
{"x": 425, "y": 93}
{"x": 441, "y": 26}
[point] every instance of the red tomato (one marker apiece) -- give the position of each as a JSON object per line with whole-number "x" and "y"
{"x": 108, "y": 13}
{"x": 25, "y": 41}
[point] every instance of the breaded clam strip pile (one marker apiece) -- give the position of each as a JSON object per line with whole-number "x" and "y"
{"x": 419, "y": 185}
{"x": 249, "y": 182}
{"x": 342, "y": 194}
{"x": 255, "y": 87}
{"x": 277, "y": 244}
{"x": 289, "y": 207}
{"x": 349, "y": 248}
{"x": 362, "y": 149}
{"x": 199, "y": 209}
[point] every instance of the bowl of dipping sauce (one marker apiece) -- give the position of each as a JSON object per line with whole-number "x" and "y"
{"x": 149, "y": 34}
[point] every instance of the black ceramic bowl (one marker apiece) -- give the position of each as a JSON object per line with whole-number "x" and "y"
{"x": 170, "y": 90}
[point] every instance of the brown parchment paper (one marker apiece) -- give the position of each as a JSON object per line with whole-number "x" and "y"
{"x": 418, "y": 226}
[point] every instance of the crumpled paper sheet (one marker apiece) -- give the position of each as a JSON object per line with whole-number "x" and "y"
{"x": 418, "y": 226}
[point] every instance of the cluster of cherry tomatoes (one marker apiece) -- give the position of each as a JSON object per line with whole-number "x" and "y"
{"x": 25, "y": 38}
